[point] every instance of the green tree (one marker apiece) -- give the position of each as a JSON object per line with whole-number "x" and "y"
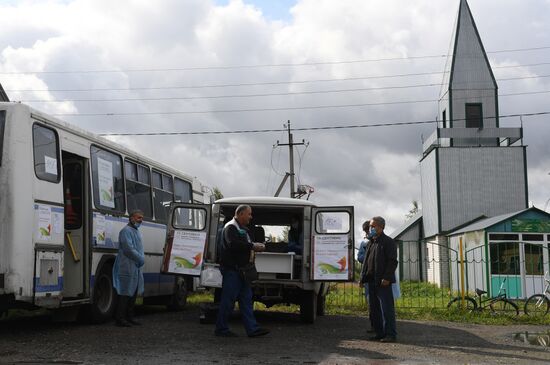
{"x": 414, "y": 209}
{"x": 217, "y": 193}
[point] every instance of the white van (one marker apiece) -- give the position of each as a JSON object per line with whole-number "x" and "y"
{"x": 286, "y": 274}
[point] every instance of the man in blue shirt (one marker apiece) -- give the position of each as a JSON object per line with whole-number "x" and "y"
{"x": 127, "y": 273}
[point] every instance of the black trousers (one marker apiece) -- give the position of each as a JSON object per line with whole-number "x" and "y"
{"x": 382, "y": 310}
{"x": 125, "y": 307}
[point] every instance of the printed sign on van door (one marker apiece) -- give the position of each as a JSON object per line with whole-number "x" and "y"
{"x": 186, "y": 255}
{"x": 330, "y": 257}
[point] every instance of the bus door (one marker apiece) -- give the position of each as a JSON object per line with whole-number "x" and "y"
{"x": 76, "y": 250}
{"x": 186, "y": 239}
{"x": 332, "y": 248}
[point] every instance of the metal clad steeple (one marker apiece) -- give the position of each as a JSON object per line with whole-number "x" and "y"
{"x": 469, "y": 81}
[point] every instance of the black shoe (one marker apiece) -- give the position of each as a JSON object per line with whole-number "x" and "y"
{"x": 122, "y": 323}
{"x": 389, "y": 339}
{"x": 133, "y": 322}
{"x": 226, "y": 334}
{"x": 376, "y": 338}
{"x": 259, "y": 332}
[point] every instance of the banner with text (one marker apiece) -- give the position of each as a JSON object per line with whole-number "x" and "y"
{"x": 331, "y": 257}
{"x": 186, "y": 253}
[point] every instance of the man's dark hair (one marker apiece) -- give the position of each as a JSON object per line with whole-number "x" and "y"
{"x": 135, "y": 212}
{"x": 241, "y": 208}
{"x": 366, "y": 225}
{"x": 381, "y": 221}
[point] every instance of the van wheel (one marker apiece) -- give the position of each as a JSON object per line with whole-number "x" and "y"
{"x": 178, "y": 299}
{"x": 104, "y": 299}
{"x": 321, "y": 302}
{"x": 308, "y": 306}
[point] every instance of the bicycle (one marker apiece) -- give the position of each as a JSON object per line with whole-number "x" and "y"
{"x": 498, "y": 305}
{"x": 538, "y": 305}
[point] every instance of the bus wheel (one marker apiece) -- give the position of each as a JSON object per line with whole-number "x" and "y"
{"x": 178, "y": 299}
{"x": 104, "y": 299}
{"x": 308, "y": 306}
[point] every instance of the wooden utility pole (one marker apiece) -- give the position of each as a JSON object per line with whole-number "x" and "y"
{"x": 290, "y": 173}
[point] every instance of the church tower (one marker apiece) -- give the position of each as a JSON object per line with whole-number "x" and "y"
{"x": 470, "y": 167}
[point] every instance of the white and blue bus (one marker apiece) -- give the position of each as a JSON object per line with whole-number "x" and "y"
{"x": 64, "y": 196}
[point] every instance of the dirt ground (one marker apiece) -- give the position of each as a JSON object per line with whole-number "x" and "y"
{"x": 177, "y": 338}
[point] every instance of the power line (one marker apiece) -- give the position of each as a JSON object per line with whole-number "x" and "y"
{"x": 199, "y": 68}
{"x": 312, "y": 107}
{"x": 262, "y": 83}
{"x": 375, "y": 125}
{"x": 264, "y": 94}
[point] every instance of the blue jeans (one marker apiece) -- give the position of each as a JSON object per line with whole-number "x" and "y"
{"x": 235, "y": 288}
{"x": 382, "y": 310}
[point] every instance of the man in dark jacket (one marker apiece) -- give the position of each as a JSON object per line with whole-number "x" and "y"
{"x": 237, "y": 250}
{"x": 379, "y": 274}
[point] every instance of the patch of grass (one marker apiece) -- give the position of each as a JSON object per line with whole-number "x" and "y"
{"x": 22, "y": 313}
{"x": 422, "y": 301}
{"x": 195, "y": 298}
{"x": 419, "y": 301}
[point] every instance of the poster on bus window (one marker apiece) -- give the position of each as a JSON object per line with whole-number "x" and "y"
{"x": 331, "y": 257}
{"x": 186, "y": 255}
{"x": 50, "y": 165}
{"x": 105, "y": 182}
{"x": 44, "y": 223}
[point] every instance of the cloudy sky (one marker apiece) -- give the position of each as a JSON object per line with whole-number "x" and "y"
{"x": 242, "y": 64}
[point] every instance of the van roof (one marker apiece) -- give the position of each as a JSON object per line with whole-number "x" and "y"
{"x": 268, "y": 200}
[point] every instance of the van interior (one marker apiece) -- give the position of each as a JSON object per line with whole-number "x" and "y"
{"x": 271, "y": 225}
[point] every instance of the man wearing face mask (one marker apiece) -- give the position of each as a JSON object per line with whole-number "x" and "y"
{"x": 127, "y": 273}
{"x": 396, "y": 291}
{"x": 379, "y": 273}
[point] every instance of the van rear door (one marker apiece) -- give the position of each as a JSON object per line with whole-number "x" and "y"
{"x": 186, "y": 239}
{"x": 332, "y": 255}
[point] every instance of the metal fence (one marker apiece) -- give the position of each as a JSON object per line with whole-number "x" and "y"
{"x": 432, "y": 273}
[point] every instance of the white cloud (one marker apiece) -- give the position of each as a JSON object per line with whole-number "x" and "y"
{"x": 375, "y": 169}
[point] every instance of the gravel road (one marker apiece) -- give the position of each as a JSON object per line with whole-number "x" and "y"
{"x": 177, "y": 338}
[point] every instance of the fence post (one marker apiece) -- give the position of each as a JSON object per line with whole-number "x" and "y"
{"x": 462, "y": 293}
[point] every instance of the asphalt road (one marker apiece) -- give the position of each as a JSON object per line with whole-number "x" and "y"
{"x": 178, "y": 338}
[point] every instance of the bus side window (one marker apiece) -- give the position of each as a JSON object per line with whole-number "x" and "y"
{"x": 163, "y": 194}
{"x": 138, "y": 188}
{"x": 182, "y": 191}
{"x": 107, "y": 180}
{"x": 46, "y": 153}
